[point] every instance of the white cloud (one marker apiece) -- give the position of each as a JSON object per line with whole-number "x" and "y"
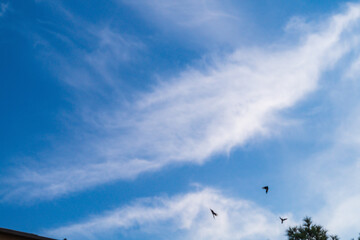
{"x": 183, "y": 217}
{"x": 205, "y": 112}
{"x": 199, "y": 113}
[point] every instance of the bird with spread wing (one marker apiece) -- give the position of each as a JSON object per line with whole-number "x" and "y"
{"x": 282, "y": 219}
{"x": 214, "y": 214}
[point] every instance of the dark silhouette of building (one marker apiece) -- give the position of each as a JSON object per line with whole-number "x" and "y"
{"x": 8, "y": 234}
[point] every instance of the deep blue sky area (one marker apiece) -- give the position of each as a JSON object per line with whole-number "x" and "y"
{"x": 130, "y": 119}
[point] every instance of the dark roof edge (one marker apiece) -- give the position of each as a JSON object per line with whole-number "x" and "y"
{"x": 24, "y": 234}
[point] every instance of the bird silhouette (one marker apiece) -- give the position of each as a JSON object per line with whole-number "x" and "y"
{"x": 266, "y": 189}
{"x": 282, "y": 220}
{"x": 214, "y": 214}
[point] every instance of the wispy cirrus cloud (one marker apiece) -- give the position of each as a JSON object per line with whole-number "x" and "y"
{"x": 205, "y": 22}
{"x": 94, "y": 52}
{"x": 185, "y": 216}
{"x": 199, "y": 113}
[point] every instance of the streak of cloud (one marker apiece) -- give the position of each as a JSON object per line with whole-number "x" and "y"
{"x": 184, "y": 216}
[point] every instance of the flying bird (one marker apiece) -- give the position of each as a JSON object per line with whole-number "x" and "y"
{"x": 266, "y": 189}
{"x": 214, "y": 214}
{"x": 282, "y": 220}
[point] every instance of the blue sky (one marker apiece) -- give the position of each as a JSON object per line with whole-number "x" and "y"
{"x": 130, "y": 119}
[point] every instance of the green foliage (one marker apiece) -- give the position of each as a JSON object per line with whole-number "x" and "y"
{"x": 309, "y": 231}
